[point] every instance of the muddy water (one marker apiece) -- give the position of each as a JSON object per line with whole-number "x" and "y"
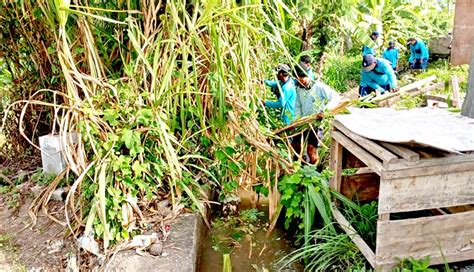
{"x": 253, "y": 252}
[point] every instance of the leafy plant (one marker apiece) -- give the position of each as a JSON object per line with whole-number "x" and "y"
{"x": 364, "y": 220}
{"x": 251, "y": 215}
{"x": 303, "y": 193}
{"x": 412, "y": 264}
{"x": 409, "y": 102}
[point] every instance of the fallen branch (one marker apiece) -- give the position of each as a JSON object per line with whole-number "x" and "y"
{"x": 318, "y": 116}
{"x": 6, "y": 179}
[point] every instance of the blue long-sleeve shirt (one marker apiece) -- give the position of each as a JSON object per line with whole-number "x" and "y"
{"x": 382, "y": 75}
{"x": 367, "y": 50}
{"x": 286, "y": 100}
{"x": 315, "y": 98}
{"x": 391, "y": 54}
{"x": 419, "y": 50}
{"x": 370, "y": 48}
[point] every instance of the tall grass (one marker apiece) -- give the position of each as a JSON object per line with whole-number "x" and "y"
{"x": 183, "y": 85}
{"x": 330, "y": 251}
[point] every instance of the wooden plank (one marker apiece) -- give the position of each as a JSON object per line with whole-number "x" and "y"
{"x": 456, "y": 96}
{"x": 360, "y": 243}
{"x": 355, "y": 149}
{"x": 413, "y": 92}
{"x": 386, "y": 156}
{"x": 428, "y": 170}
{"x": 336, "y": 165}
{"x": 426, "y": 192}
{"x": 432, "y": 166}
{"x": 439, "y": 98}
{"x": 415, "y": 85}
{"x": 361, "y": 187}
{"x": 451, "y": 235}
{"x": 364, "y": 170}
{"x": 447, "y": 258}
{"x": 401, "y": 151}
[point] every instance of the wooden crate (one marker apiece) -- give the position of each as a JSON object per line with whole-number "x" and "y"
{"x": 407, "y": 179}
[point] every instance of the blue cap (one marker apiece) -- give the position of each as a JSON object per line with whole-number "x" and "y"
{"x": 367, "y": 62}
{"x": 375, "y": 33}
{"x": 391, "y": 43}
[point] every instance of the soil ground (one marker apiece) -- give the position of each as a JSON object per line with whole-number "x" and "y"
{"x": 43, "y": 247}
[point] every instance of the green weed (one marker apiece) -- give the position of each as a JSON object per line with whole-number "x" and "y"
{"x": 363, "y": 217}
{"x": 302, "y": 193}
{"x": 412, "y": 264}
{"x": 342, "y": 72}
{"x": 329, "y": 251}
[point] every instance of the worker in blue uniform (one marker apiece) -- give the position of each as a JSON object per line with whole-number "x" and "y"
{"x": 312, "y": 97}
{"x": 419, "y": 53}
{"x": 306, "y": 60}
{"x": 391, "y": 54}
{"x": 286, "y": 90}
{"x": 371, "y": 47}
{"x": 377, "y": 75}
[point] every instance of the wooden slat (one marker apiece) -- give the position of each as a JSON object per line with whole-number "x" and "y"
{"x": 413, "y": 92}
{"x": 401, "y": 151}
{"x": 354, "y": 148}
{"x": 426, "y": 167}
{"x": 360, "y": 243}
{"x": 450, "y": 235}
{"x": 361, "y": 187}
{"x": 415, "y": 85}
{"x": 364, "y": 170}
{"x": 438, "y": 98}
{"x": 386, "y": 156}
{"x": 426, "y": 192}
{"x": 336, "y": 165}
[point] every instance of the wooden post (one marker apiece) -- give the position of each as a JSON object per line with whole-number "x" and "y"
{"x": 336, "y": 165}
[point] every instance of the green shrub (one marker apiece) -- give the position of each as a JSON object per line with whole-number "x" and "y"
{"x": 342, "y": 72}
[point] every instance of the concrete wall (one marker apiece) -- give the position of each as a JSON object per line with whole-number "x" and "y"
{"x": 463, "y": 34}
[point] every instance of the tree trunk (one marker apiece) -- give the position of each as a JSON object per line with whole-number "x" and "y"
{"x": 306, "y": 36}
{"x": 468, "y": 105}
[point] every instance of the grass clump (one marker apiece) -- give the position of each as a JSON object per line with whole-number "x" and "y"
{"x": 342, "y": 72}
{"x": 329, "y": 251}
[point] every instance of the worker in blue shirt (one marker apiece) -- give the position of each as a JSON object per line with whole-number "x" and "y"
{"x": 391, "y": 54}
{"x": 419, "y": 53}
{"x": 312, "y": 97}
{"x": 287, "y": 93}
{"x": 306, "y": 60}
{"x": 372, "y": 46}
{"x": 377, "y": 75}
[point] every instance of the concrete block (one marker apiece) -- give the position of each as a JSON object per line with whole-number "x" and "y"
{"x": 180, "y": 253}
{"x": 52, "y": 157}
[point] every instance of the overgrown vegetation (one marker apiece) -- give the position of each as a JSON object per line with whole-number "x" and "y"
{"x": 168, "y": 101}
